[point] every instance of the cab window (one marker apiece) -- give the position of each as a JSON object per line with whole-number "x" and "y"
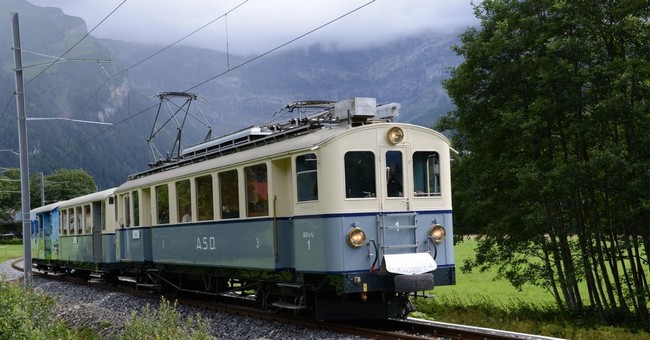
{"x": 360, "y": 174}
{"x": 426, "y": 173}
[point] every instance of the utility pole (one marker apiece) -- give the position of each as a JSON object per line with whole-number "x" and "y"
{"x": 42, "y": 190}
{"x": 22, "y": 144}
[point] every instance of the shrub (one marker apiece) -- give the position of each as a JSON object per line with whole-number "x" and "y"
{"x": 28, "y": 315}
{"x": 165, "y": 323}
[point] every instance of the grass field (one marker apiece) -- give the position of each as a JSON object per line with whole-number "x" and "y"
{"x": 10, "y": 251}
{"x": 481, "y": 286}
{"x": 478, "y": 299}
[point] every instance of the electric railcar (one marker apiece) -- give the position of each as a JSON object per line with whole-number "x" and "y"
{"x": 340, "y": 211}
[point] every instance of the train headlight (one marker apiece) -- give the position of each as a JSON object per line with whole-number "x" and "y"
{"x": 356, "y": 237}
{"x": 437, "y": 233}
{"x": 395, "y": 135}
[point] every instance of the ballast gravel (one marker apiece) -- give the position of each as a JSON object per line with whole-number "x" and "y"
{"x": 108, "y": 313}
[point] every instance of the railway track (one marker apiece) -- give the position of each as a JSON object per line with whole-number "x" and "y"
{"x": 411, "y": 328}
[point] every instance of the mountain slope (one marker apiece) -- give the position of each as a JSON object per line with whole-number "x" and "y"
{"x": 408, "y": 71}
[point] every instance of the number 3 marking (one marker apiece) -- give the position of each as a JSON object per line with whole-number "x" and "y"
{"x": 257, "y": 242}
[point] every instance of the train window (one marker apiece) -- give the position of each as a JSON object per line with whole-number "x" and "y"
{"x": 307, "y": 178}
{"x": 360, "y": 174}
{"x": 183, "y": 201}
{"x": 394, "y": 174}
{"x": 64, "y": 221}
{"x": 257, "y": 190}
{"x": 426, "y": 173}
{"x": 87, "y": 219}
{"x": 127, "y": 210}
{"x": 229, "y": 193}
{"x": 135, "y": 200}
{"x": 71, "y": 219}
{"x": 78, "y": 219}
{"x": 103, "y": 214}
{"x": 204, "y": 198}
{"x": 162, "y": 206}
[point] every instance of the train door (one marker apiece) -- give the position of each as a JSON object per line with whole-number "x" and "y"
{"x": 397, "y": 224}
{"x": 97, "y": 231}
{"x": 394, "y": 187}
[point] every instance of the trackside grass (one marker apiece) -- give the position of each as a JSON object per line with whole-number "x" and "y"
{"x": 478, "y": 299}
{"x": 10, "y": 251}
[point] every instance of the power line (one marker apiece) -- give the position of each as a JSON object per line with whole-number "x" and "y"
{"x": 162, "y": 50}
{"x": 75, "y": 45}
{"x": 279, "y": 46}
{"x": 240, "y": 65}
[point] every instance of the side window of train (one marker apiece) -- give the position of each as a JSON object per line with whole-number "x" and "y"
{"x": 204, "y": 198}
{"x": 78, "y": 220}
{"x": 307, "y": 177}
{"x": 229, "y": 193}
{"x": 426, "y": 173}
{"x": 394, "y": 174}
{"x": 257, "y": 197}
{"x": 127, "y": 210}
{"x": 64, "y": 221}
{"x": 71, "y": 219}
{"x": 183, "y": 201}
{"x": 87, "y": 219}
{"x": 135, "y": 200}
{"x": 103, "y": 214}
{"x": 360, "y": 181}
{"x": 162, "y": 203}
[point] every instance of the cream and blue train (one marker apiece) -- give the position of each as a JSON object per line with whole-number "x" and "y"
{"x": 340, "y": 211}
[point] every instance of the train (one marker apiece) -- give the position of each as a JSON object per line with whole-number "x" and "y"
{"x": 340, "y": 212}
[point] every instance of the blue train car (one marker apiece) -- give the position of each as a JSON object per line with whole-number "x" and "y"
{"x": 45, "y": 234}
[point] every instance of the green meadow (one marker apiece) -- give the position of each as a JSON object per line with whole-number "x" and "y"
{"x": 478, "y": 299}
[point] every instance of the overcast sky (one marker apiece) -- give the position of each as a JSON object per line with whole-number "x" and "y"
{"x": 260, "y": 25}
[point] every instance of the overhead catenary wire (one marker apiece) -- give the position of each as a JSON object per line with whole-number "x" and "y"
{"x": 225, "y": 15}
{"x": 75, "y": 44}
{"x": 235, "y": 67}
{"x": 58, "y": 59}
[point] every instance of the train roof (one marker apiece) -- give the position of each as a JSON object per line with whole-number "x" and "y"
{"x": 46, "y": 208}
{"x": 96, "y": 196}
{"x": 318, "y": 122}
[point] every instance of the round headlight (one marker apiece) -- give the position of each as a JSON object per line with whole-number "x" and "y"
{"x": 356, "y": 237}
{"x": 395, "y": 135}
{"x": 437, "y": 233}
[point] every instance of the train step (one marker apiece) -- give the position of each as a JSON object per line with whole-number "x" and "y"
{"x": 286, "y": 305}
{"x": 295, "y": 285}
{"x": 148, "y": 285}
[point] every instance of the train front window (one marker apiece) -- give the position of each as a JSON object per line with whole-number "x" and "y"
{"x": 360, "y": 174}
{"x": 307, "y": 177}
{"x": 426, "y": 173}
{"x": 394, "y": 174}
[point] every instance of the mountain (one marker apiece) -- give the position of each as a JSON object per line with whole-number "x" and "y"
{"x": 235, "y": 91}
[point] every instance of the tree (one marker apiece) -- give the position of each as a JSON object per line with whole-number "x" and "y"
{"x": 552, "y": 116}
{"x": 9, "y": 194}
{"x": 62, "y": 185}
